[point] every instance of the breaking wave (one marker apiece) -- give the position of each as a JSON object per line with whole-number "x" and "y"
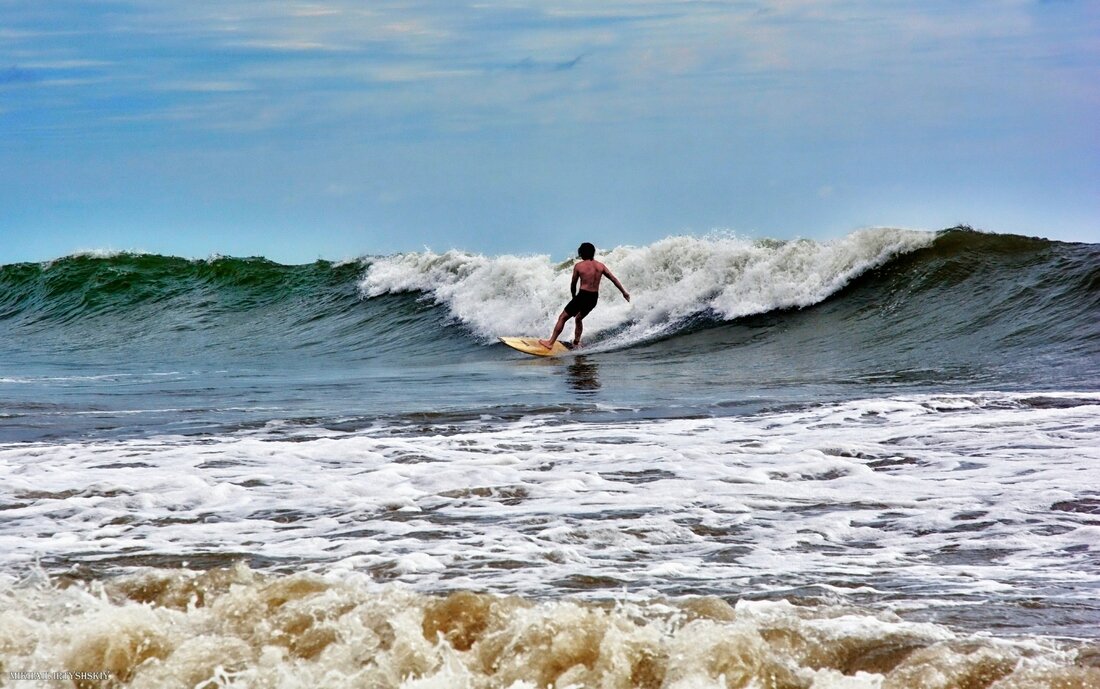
{"x": 234, "y": 627}
{"x": 952, "y": 284}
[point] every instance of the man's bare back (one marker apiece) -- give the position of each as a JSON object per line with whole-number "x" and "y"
{"x": 586, "y": 275}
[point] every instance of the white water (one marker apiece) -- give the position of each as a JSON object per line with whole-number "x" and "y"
{"x": 929, "y": 497}
{"x": 669, "y": 281}
{"x": 238, "y": 628}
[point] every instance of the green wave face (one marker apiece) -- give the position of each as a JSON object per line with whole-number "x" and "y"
{"x": 959, "y": 289}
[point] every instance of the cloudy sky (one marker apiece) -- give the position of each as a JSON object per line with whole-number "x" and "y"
{"x": 334, "y": 128}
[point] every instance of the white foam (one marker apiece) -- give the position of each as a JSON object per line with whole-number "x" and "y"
{"x": 239, "y": 628}
{"x": 669, "y": 281}
{"x": 939, "y": 496}
{"x": 96, "y": 254}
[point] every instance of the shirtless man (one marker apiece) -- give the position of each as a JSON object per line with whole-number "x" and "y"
{"x": 588, "y": 273}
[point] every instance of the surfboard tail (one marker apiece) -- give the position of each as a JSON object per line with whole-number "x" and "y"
{"x": 530, "y": 345}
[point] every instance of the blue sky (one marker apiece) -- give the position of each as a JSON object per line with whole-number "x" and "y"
{"x": 334, "y": 129}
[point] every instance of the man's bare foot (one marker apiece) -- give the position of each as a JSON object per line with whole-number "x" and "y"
{"x": 576, "y": 344}
{"x": 546, "y": 343}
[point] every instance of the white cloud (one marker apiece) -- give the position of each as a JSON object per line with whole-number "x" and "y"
{"x": 67, "y": 64}
{"x": 316, "y": 11}
{"x": 408, "y": 73}
{"x": 289, "y": 45}
{"x": 207, "y": 86}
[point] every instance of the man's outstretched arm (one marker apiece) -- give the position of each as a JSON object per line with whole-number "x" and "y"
{"x": 615, "y": 281}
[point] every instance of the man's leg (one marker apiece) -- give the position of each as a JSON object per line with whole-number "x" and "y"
{"x": 578, "y": 328}
{"x": 557, "y": 331}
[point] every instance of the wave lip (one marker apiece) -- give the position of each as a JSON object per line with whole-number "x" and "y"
{"x": 670, "y": 281}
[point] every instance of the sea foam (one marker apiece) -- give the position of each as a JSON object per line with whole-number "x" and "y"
{"x": 234, "y": 627}
{"x": 670, "y": 281}
{"x": 924, "y": 501}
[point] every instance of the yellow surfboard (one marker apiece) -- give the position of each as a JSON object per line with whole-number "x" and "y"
{"x": 530, "y": 345}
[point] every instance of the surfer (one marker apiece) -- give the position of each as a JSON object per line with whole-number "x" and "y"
{"x": 586, "y": 274}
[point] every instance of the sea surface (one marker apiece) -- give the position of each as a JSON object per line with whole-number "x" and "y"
{"x": 871, "y": 462}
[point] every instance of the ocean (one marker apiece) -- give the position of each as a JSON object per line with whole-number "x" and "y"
{"x": 871, "y": 462}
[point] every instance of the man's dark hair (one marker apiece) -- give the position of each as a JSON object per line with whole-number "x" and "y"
{"x": 586, "y": 251}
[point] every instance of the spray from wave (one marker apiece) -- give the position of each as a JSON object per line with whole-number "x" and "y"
{"x": 671, "y": 281}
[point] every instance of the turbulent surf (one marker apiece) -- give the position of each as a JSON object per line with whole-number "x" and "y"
{"x": 866, "y": 462}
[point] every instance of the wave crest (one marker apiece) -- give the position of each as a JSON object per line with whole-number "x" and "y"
{"x": 670, "y": 281}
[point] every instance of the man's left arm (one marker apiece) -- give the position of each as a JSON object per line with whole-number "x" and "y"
{"x": 615, "y": 281}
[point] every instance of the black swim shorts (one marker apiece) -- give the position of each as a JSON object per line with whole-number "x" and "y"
{"x": 582, "y": 303}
